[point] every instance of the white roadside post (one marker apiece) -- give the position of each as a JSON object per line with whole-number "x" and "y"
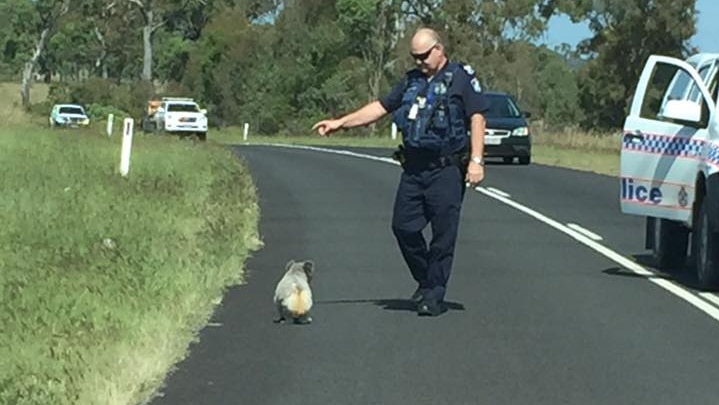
{"x": 110, "y": 119}
{"x": 126, "y": 146}
{"x": 246, "y": 132}
{"x": 394, "y": 131}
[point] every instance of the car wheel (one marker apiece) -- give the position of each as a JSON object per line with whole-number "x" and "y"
{"x": 202, "y": 136}
{"x": 671, "y": 240}
{"x": 705, "y": 245}
{"x": 524, "y": 160}
{"x": 508, "y": 160}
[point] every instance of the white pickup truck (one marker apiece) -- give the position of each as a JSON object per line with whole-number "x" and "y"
{"x": 180, "y": 115}
{"x": 670, "y": 163}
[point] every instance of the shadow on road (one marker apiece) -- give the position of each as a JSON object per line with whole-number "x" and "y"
{"x": 391, "y": 304}
{"x": 685, "y": 276}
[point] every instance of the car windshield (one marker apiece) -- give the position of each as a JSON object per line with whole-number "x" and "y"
{"x": 502, "y": 106}
{"x": 183, "y": 107}
{"x": 71, "y": 110}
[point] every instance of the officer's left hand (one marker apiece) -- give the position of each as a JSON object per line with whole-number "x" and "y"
{"x": 475, "y": 174}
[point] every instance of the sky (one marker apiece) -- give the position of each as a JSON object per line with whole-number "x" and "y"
{"x": 706, "y": 39}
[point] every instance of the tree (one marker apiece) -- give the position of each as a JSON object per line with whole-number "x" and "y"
{"x": 557, "y": 84}
{"x": 372, "y": 30}
{"x": 626, "y": 32}
{"x": 45, "y": 21}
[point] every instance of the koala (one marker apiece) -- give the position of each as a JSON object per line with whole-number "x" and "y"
{"x": 293, "y": 296}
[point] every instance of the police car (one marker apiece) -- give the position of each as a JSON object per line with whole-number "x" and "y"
{"x": 670, "y": 162}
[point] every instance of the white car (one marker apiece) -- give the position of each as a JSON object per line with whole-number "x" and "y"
{"x": 670, "y": 162}
{"x": 68, "y": 115}
{"x": 181, "y": 115}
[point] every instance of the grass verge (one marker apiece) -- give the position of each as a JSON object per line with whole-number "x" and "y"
{"x": 104, "y": 280}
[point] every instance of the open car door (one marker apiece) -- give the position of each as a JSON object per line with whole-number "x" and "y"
{"x": 663, "y": 138}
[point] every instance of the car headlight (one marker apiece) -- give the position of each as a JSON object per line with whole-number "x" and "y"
{"x": 521, "y": 131}
{"x": 86, "y": 121}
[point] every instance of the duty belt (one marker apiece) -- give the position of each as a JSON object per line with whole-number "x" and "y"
{"x": 418, "y": 163}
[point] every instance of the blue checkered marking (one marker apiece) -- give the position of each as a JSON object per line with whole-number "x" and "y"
{"x": 666, "y": 145}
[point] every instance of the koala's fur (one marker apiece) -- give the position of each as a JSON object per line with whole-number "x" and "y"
{"x": 293, "y": 296}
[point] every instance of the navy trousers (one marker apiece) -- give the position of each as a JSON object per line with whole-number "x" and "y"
{"x": 432, "y": 196}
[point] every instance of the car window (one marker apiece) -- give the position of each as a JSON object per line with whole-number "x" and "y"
{"x": 669, "y": 82}
{"x": 502, "y": 106}
{"x": 694, "y": 92}
{"x": 712, "y": 84}
{"x": 183, "y": 108}
{"x": 72, "y": 110}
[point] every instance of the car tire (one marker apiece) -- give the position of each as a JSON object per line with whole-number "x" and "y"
{"x": 524, "y": 160}
{"x": 705, "y": 247}
{"x": 202, "y": 136}
{"x": 508, "y": 160}
{"x": 671, "y": 240}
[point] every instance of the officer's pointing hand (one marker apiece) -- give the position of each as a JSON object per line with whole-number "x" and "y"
{"x": 326, "y": 127}
{"x": 475, "y": 174}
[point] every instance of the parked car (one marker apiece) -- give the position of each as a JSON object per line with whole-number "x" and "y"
{"x": 68, "y": 115}
{"x": 507, "y": 134}
{"x": 669, "y": 165}
{"x": 181, "y": 115}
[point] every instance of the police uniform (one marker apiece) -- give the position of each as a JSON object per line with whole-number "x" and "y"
{"x": 433, "y": 115}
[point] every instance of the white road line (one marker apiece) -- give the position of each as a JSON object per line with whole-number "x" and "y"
{"x": 628, "y": 264}
{"x": 335, "y": 151}
{"x": 616, "y": 257}
{"x": 497, "y": 191}
{"x": 585, "y": 231}
{"x": 710, "y": 297}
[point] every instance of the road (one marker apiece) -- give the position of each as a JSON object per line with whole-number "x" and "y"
{"x": 540, "y": 313}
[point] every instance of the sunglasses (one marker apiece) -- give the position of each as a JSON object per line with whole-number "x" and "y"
{"x": 424, "y": 55}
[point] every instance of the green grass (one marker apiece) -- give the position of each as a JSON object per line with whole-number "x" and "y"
{"x": 105, "y": 280}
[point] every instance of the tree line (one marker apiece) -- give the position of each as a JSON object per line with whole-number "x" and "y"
{"x": 282, "y": 64}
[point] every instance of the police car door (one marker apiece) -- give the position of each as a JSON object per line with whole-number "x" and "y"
{"x": 662, "y": 140}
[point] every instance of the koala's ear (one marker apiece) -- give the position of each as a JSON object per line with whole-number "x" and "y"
{"x": 308, "y": 266}
{"x": 289, "y": 264}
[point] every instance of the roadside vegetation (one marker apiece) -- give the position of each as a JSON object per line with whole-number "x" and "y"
{"x": 105, "y": 280}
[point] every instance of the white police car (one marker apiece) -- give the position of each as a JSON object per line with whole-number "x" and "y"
{"x": 670, "y": 162}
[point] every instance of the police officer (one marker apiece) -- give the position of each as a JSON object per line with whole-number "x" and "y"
{"x": 434, "y": 106}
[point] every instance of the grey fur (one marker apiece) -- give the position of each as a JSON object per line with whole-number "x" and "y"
{"x": 297, "y": 278}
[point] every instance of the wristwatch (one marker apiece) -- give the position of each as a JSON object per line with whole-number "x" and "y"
{"x": 478, "y": 160}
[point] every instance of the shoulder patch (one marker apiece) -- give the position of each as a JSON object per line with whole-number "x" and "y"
{"x": 475, "y": 85}
{"x": 468, "y": 69}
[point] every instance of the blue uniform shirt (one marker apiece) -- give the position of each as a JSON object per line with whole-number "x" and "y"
{"x": 464, "y": 88}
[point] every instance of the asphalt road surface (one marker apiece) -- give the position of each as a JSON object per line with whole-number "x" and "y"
{"x": 541, "y": 311}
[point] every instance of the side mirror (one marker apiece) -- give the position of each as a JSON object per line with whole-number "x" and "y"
{"x": 527, "y": 114}
{"x": 204, "y": 111}
{"x": 682, "y": 110}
